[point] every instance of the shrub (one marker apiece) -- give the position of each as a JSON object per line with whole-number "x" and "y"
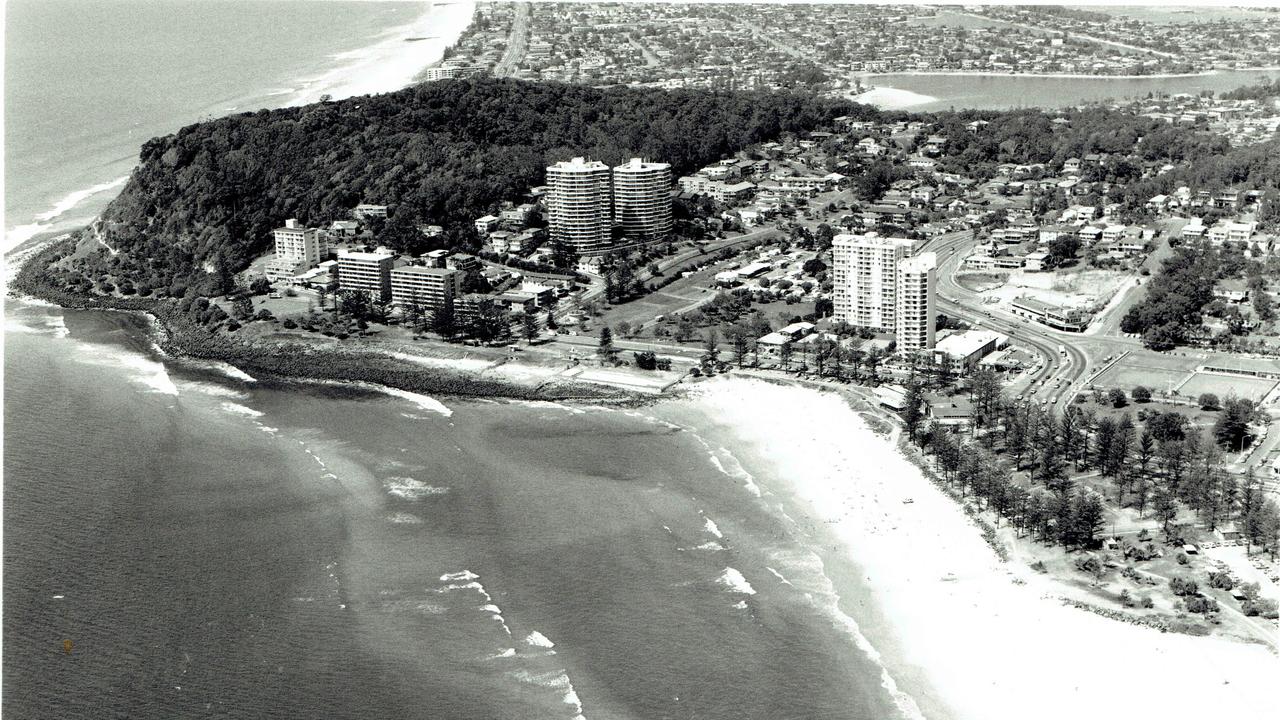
{"x": 1221, "y": 580}
{"x": 1126, "y": 599}
{"x": 1183, "y": 559}
{"x": 289, "y": 323}
{"x": 1183, "y": 587}
{"x": 1260, "y": 607}
{"x": 1140, "y": 394}
{"x": 1201, "y": 605}
{"x": 1209, "y": 401}
{"x": 1146, "y": 602}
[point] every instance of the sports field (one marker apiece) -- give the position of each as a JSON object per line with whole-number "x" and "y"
{"x": 1159, "y": 373}
{"x": 1224, "y": 386}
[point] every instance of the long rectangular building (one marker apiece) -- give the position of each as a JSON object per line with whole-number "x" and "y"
{"x": 430, "y": 287}
{"x": 368, "y": 272}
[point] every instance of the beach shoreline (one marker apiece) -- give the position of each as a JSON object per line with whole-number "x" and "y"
{"x": 989, "y": 638}
{"x": 387, "y": 64}
{"x": 1061, "y": 76}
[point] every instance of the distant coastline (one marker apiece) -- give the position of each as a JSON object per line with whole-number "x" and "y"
{"x": 384, "y": 65}
{"x": 1066, "y": 76}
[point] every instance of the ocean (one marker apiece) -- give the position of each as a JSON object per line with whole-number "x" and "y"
{"x": 220, "y": 546}
{"x": 182, "y": 540}
{"x": 86, "y": 83}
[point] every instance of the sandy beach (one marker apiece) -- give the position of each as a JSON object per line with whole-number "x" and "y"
{"x": 1075, "y": 76}
{"x": 394, "y": 61}
{"x": 990, "y": 638}
{"x": 888, "y": 98}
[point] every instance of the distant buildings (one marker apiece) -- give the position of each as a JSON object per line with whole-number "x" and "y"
{"x": 450, "y": 71}
{"x": 642, "y": 200}
{"x": 368, "y": 272}
{"x": 364, "y": 211}
{"x": 579, "y": 205}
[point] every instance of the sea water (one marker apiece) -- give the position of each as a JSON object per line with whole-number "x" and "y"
{"x": 87, "y": 83}
{"x": 218, "y": 545}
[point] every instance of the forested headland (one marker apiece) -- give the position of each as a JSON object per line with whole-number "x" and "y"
{"x": 439, "y": 153}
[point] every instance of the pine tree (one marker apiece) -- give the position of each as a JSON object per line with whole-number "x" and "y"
{"x": 913, "y": 410}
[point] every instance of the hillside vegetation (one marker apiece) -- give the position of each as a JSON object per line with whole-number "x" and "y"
{"x": 206, "y": 198}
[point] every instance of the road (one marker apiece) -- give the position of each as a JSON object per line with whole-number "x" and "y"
{"x": 1056, "y": 379}
{"x": 517, "y": 43}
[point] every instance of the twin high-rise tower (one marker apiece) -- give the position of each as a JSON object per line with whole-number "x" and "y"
{"x": 586, "y": 200}
{"x": 878, "y": 285}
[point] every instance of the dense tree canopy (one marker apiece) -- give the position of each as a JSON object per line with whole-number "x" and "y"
{"x": 439, "y": 153}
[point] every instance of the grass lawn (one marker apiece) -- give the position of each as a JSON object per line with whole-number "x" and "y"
{"x": 1252, "y": 388}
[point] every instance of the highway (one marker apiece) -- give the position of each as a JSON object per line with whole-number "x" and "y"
{"x": 517, "y": 43}
{"x": 1055, "y": 381}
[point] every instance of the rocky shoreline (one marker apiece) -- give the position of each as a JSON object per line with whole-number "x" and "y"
{"x": 177, "y": 336}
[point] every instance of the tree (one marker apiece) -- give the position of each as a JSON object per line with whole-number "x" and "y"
{"x": 1167, "y": 426}
{"x": 606, "y": 350}
{"x": 646, "y": 360}
{"x": 913, "y": 410}
{"x": 1117, "y": 397}
{"x": 242, "y": 308}
{"x": 1208, "y": 401}
{"x": 1232, "y": 427}
{"x": 1140, "y": 394}
{"x": 444, "y": 321}
{"x": 529, "y": 326}
{"x": 260, "y": 286}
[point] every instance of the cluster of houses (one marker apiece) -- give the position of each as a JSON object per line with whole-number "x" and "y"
{"x": 337, "y": 257}
{"x": 509, "y": 233}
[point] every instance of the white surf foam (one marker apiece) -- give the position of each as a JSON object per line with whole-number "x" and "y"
{"x": 240, "y": 409}
{"x": 711, "y": 527}
{"x": 140, "y": 369}
{"x": 537, "y": 639}
{"x": 232, "y": 371}
{"x": 404, "y": 519}
{"x": 410, "y": 489}
{"x": 423, "y": 402}
{"x": 733, "y": 579}
{"x": 460, "y": 575}
{"x": 710, "y": 545}
{"x": 19, "y": 234}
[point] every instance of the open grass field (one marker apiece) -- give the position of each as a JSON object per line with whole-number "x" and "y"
{"x": 1126, "y": 376}
{"x": 1224, "y": 386}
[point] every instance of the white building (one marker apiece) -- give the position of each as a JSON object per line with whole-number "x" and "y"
{"x": 297, "y": 248}
{"x": 962, "y": 351}
{"x": 915, "y": 314}
{"x": 368, "y": 272}
{"x": 579, "y": 205}
{"x": 642, "y": 200}
{"x": 865, "y": 275}
{"x": 430, "y": 287}
{"x": 365, "y": 210}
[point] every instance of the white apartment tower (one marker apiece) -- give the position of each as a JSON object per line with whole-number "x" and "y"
{"x": 915, "y": 308}
{"x": 578, "y": 205}
{"x": 298, "y": 243}
{"x": 642, "y": 200}
{"x": 865, "y": 279}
